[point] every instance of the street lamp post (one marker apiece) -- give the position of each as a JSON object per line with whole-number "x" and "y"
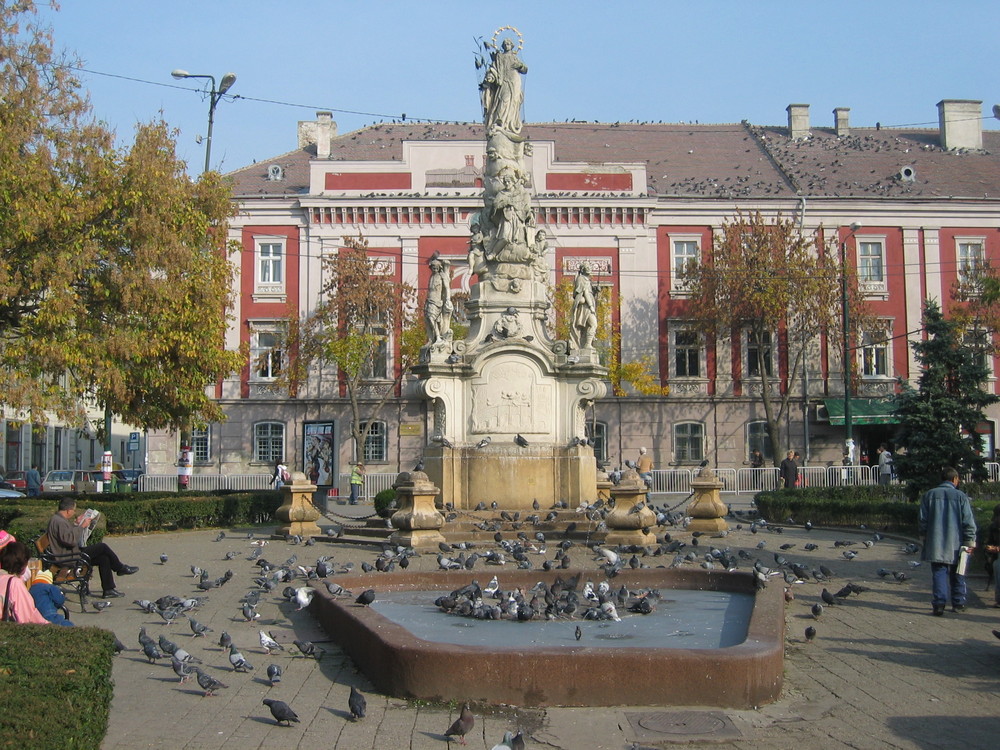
{"x": 213, "y": 99}
{"x": 846, "y": 323}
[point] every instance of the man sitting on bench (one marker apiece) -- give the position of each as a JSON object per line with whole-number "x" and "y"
{"x": 65, "y": 537}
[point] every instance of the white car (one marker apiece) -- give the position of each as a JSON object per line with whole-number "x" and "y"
{"x": 11, "y": 493}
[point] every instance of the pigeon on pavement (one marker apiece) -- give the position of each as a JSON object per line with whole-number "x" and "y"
{"x": 274, "y": 674}
{"x": 208, "y": 683}
{"x": 281, "y": 711}
{"x": 197, "y": 628}
{"x": 269, "y": 644}
{"x": 357, "y": 704}
{"x": 462, "y": 725}
{"x": 240, "y": 664}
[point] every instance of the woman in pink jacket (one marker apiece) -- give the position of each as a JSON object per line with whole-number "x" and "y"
{"x": 17, "y": 601}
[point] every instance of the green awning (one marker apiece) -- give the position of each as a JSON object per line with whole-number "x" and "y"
{"x": 863, "y": 411}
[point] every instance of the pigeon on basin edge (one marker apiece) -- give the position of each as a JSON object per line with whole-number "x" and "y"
{"x": 366, "y": 597}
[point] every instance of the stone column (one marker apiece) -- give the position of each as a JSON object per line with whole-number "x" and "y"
{"x": 707, "y": 510}
{"x": 628, "y": 522}
{"x": 417, "y": 521}
{"x": 297, "y": 513}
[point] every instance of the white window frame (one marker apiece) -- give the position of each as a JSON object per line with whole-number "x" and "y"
{"x": 267, "y": 265}
{"x": 770, "y": 364}
{"x": 687, "y": 455}
{"x": 969, "y": 339}
{"x": 758, "y": 438}
{"x": 675, "y": 350}
{"x": 269, "y": 435}
{"x": 872, "y": 343}
{"x": 201, "y": 444}
{"x": 376, "y": 444}
{"x": 679, "y": 261}
{"x": 968, "y": 266}
{"x": 261, "y": 353}
{"x": 871, "y": 285}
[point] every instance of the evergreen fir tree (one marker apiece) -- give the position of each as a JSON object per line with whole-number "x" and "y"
{"x": 939, "y": 418}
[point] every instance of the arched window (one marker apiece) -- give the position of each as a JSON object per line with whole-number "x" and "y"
{"x": 689, "y": 442}
{"x": 268, "y": 442}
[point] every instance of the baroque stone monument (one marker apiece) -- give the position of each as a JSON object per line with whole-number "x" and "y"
{"x": 508, "y": 403}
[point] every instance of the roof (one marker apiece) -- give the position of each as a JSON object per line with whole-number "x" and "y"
{"x": 729, "y": 161}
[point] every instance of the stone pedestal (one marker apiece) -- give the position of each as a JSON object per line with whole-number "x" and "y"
{"x": 707, "y": 510}
{"x": 417, "y": 522}
{"x": 627, "y": 521}
{"x": 297, "y": 513}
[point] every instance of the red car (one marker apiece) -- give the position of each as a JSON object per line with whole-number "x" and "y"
{"x": 16, "y": 479}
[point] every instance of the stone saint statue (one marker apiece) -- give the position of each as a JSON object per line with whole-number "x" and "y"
{"x": 438, "y": 307}
{"x": 583, "y": 316}
{"x": 501, "y": 90}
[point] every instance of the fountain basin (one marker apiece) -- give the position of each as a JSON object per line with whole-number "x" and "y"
{"x": 398, "y": 663}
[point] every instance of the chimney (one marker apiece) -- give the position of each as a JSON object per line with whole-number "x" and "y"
{"x": 841, "y": 121}
{"x": 319, "y": 132}
{"x": 798, "y": 121}
{"x": 961, "y": 122}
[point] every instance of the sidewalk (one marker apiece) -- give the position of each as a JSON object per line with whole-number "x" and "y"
{"x": 882, "y": 672}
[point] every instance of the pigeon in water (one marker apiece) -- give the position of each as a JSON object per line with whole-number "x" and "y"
{"x": 208, "y": 683}
{"x": 365, "y": 598}
{"x": 578, "y": 633}
{"x": 281, "y": 711}
{"x": 197, "y": 628}
{"x": 462, "y": 725}
{"x": 357, "y": 704}
{"x": 274, "y": 674}
{"x": 269, "y": 644}
{"x": 240, "y": 664}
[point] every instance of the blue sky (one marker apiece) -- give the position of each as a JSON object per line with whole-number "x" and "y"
{"x": 713, "y": 62}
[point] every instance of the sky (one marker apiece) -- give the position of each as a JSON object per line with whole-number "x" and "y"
{"x": 715, "y": 61}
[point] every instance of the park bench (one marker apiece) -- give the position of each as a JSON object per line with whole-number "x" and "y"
{"x": 72, "y": 569}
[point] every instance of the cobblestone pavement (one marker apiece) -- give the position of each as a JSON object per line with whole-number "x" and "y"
{"x": 881, "y": 673}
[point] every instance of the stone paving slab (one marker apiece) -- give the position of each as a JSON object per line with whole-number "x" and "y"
{"x": 882, "y": 672}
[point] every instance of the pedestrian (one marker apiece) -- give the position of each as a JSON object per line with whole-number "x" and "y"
{"x": 992, "y": 550}
{"x": 357, "y": 482}
{"x": 788, "y": 470}
{"x": 757, "y": 465}
{"x": 644, "y": 467}
{"x": 885, "y": 465}
{"x": 948, "y": 526}
{"x": 280, "y": 476}
{"x": 33, "y": 481}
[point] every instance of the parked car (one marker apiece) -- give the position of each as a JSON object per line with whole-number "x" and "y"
{"x": 4, "y": 492}
{"x": 130, "y": 477}
{"x": 16, "y": 479}
{"x": 71, "y": 481}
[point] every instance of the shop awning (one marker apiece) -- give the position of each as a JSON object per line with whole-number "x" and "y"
{"x": 863, "y": 411}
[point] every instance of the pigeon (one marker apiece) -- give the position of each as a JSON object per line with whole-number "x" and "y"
{"x": 152, "y": 652}
{"x": 484, "y": 442}
{"x": 225, "y": 640}
{"x": 357, "y": 704}
{"x": 505, "y": 743}
{"x": 100, "y": 606}
{"x": 183, "y": 656}
{"x": 281, "y": 711}
{"x": 119, "y": 646}
{"x": 817, "y": 610}
{"x": 463, "y": 724}
{"x": 197, "y": 628}
{"x": 578, "y": 633}
{"x": 303, "y": 596}
{"x": 365, "y": 598}
{"x": 163, "y": 559}
{"x": 221, "y": 536}
{"x": 308, "y": 648}
{"x": 240, "y": 664}
{"x": 167, "y": 646}
{"x": 828, "y": 597}
{"x": 520, "y": 440}
{"x": 182, "y": 670}
{"x": 517, "y": 742}
{"x": 810, "y": 634}
{"x": 208, "y": 683}
{"x": 273, "y": 674}
{"x": 269, "y": 644}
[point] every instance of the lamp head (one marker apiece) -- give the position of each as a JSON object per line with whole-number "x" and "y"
{"x": 855, "y": 226}
{"x": 226, "y": 83}
{"x": 178, "y": 73}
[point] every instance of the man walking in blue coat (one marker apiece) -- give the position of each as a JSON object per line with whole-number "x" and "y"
{"x": 947, "y": 523}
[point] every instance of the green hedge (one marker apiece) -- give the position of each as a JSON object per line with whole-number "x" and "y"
{"x": 382, "y": 502}
{"x": 55, "y": 686}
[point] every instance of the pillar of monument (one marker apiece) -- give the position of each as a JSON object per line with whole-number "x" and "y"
{"x": 297, "y": 514}
{"x": 417, "y": 522}
{"x": 630, "y": 520}
{"x": 707, "y": 510}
